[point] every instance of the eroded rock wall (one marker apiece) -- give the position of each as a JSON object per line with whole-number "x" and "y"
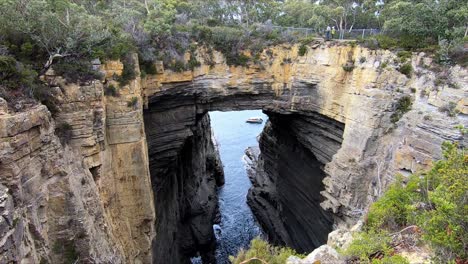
{"x": 185, "y": 173}
{"x": 287, "y": 178}
{"x": 364, "y": 152}
{"x": 82, "y": 197}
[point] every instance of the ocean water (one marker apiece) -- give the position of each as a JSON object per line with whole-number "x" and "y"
{"x": 238, "y": 226}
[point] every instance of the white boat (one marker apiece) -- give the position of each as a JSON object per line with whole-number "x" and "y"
{"x": 256, "y": 120}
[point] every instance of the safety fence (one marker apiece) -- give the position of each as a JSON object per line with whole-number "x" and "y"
{"x": 345, "y": 34}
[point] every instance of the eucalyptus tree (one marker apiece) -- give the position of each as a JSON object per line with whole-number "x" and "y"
{"x": 61, "y": 28}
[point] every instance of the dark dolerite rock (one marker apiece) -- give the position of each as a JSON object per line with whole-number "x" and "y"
{"x": 287, "y": 178}
{"x": 185, "y": 171}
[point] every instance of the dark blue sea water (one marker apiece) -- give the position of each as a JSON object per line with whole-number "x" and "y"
{"x": 238, "y": 226}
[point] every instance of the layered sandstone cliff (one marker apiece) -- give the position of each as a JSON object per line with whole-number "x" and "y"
{"x": 325, "y": 119}
{"x": 85, "y": 197}
{"x": 329, "y": 150}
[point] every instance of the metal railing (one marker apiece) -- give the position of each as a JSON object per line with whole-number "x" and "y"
{"x": 345, "y": 34}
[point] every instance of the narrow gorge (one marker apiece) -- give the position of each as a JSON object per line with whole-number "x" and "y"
{"x": 138, "y": 183}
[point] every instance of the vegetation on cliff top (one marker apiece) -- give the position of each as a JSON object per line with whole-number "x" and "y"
{"x": 262, "y": 252}
{"x": 429, "y": 208}
{"x": 37, "y": 34}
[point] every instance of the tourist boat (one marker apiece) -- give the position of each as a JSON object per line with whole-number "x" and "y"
{"x": 256, "y": 120}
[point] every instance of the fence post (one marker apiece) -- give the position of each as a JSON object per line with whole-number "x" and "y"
{"x": 363, "y": 32}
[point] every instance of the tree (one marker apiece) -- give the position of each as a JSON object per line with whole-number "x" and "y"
{"x": 60, "y": 28}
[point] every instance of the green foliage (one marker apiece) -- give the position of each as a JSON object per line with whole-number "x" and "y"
{"x": 402, "y": 106}
{"x": 404, "y": 55}
{"x": 128, "y": 73}
{"x": 366, "y": 244}
{"x": 177, "y": 66}
{"x": 348, "y": 67}
{"x": 15, "y": 75}
{"x": 111, "y": 90}
{"x": 302, "y": 50}
{"x": 406, "y": 69}
{"x": 395, "y": 208}
{"x": 64, "y": 132}
{"x": 193, "y": 62}
{"x": 133, "y": 102}
{"x": 260, "y": 249}
{"x": 435, "y": 202}
{"x": 76, "y": 71}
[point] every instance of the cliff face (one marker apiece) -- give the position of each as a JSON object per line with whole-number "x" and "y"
{"x": 287, "y": 178}
{"x": 327, "y": 126}
{"x": 329, "y": 150}
{"x": 87, "y": 198}
{"x": 185, "y": 172}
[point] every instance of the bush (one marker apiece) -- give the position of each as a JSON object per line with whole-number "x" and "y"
{"x": 177, "y": 66}
{"x": 367, "y": 244}
{"x": 75, "y": 70}
{"x": 260, "y": 249}
{"x": 64, "y": 132}
{"x": 148, "y": 67}
{"x": 348, "y": 67}
{"x": 111, "y": 90}
{"x": 404, "y": 56}
{"x": 302, "y": 50}
{"x": 406, "y": 69}
{"x": 402, "y": 106}
{"x": 394, "y": 209}
{"x": 133, "y": 102}
{"x": 362, "y": 60}
{"x": 128, "y": 73}
{"x": 15, "y": 75}
{"x": 450, "y": 109}
{"x": 435, "y": 203}
{"x": 193, "y": 62}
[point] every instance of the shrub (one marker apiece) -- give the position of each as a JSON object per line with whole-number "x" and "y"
{"x": 404, "y": 55}
{"x": 133, "y": 102}
{"x": 406, "y": 69}
{"x": 193, "y": 62}
{"x": 386, "y": 42}
{"x": 15, "y": 75}
{"x": 348, "y": 67}
{"x": 75, "y": 70}
{"x": 177, "y": 66}
{"x": 111, "y": 90}
{"x": 366, "y": 244}
{"x": 148, "y": 67}
{"x": 394, "y": 208}
{"x": 260, "y": 249}
{"x": 450, "y": 109}
{"x": 413, "y": 90}
{"x": 302, "y": 50}
{"x": 128, "y": 73}
{"x": 402, "y": 106}
{"x": 435, "y": 203}
{"x": 64, "y": 132}
{"x": 362, "y": 60}
{"x": 384, "y": 65}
